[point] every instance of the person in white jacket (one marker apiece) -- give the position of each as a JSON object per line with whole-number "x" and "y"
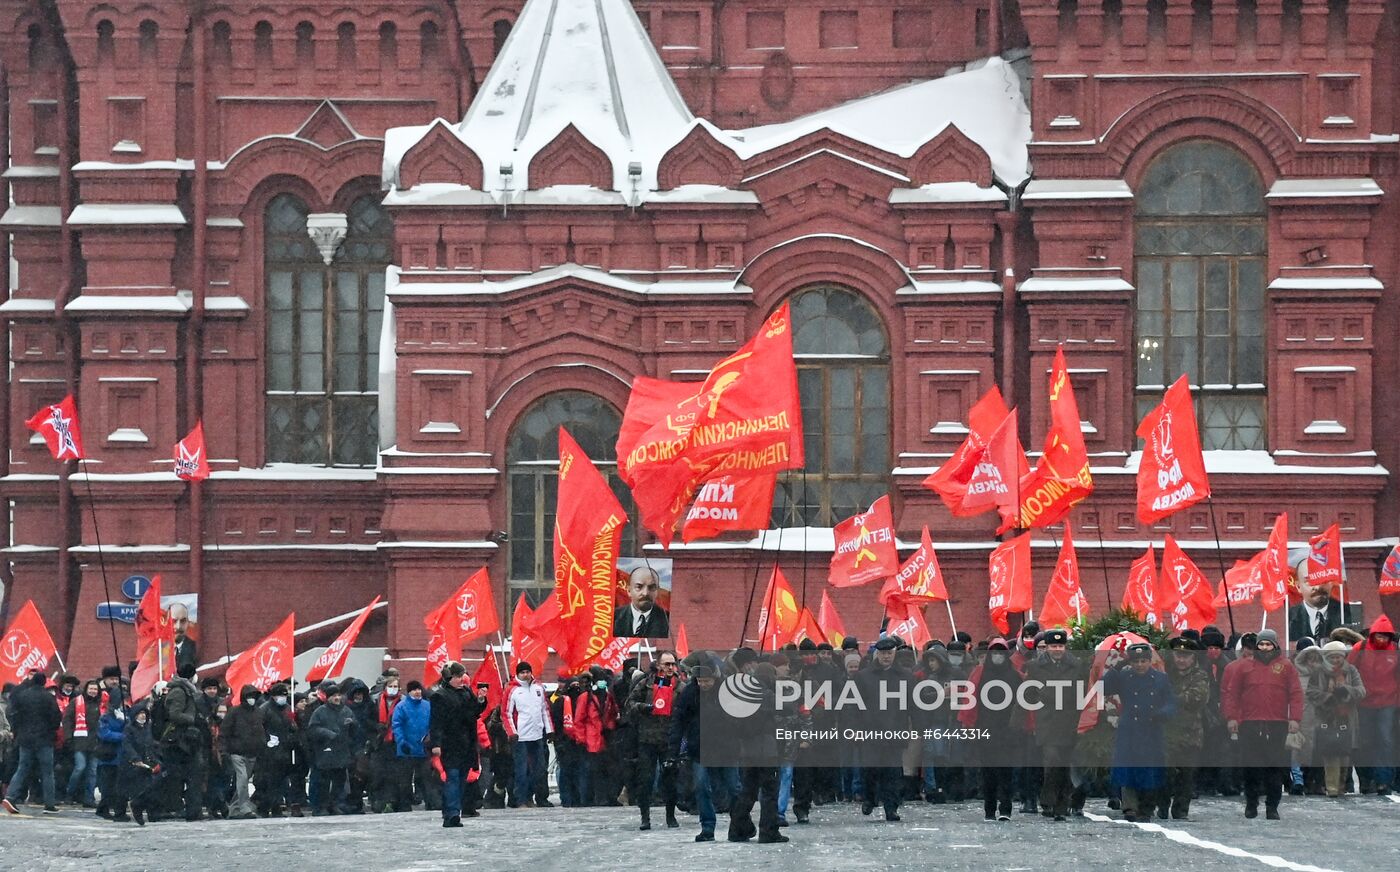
{"x": 527, "y": 722}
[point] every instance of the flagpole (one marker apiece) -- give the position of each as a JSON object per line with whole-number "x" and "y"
{"x": 777, "y": 556}
{"x": 1220, "y": 558}
{"x": 102, "y": 565}
{"x": 803, "y": 512}
{"x": 1103, "y": 556}
{"x": 951, "y": 622}
{"x": 753, "y": 587}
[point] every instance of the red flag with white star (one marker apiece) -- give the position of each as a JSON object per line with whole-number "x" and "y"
{"x": 191, "y": 459}
{"x": 58, "y": 424}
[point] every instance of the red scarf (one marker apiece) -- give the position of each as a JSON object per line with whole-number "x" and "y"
{"x": 386, "y": 714}
{"x": 80, "y": 719}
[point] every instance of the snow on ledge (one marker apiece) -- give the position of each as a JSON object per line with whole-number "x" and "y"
{"x": 120, "y": 214}
{"x": 1327, "y": 283}
{"x": 1324, "y": 188}
{"x": 946, "y": 192}
{"x": 1084, "y": 285}
{"x": 17, "y": 305}
{"x": 294, "y": 472}
{"x": 31, "y": 216}
{"x": 1217, "y": 463}
{"x": 1076, "y": 189}
{"x": 397, "y": 288}
{"x": 97, "y": 303}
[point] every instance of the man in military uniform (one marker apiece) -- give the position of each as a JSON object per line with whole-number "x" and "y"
{"x": 1056, "y": 726}
{"x": 1186, "y": 730}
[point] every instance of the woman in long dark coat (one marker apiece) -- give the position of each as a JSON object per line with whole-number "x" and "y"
{"x": 1146, "y": 702}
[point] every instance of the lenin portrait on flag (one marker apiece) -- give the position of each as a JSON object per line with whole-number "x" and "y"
{"x": 642, "y": 615}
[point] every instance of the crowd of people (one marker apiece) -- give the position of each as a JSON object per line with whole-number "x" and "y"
{"x": 1207, "y": 716}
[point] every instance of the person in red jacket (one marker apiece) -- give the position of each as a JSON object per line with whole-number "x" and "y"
{"x": 1378, "y": 661}
{"x": 1261, "y": 698}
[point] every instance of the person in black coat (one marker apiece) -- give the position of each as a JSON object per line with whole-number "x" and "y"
{"x": 452, "y": 739}
{"x": 139, "y": 760}
{"x": 275, "y": 758}
{"x": 685, "y": 744}
{"x": 34, "y": 719}
{"x": 330, "y": 735}
{"x": 883, "y": 784}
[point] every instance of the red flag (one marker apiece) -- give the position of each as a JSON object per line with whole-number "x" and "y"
{"x": 949, "y": 481}
{"x": 26, "y": 646}
{"x": 153, "y": 623}
{"x": 1009, "y": 570}
{"x": 1186, "y": 596}
{"x": 489, "y": 674}
{"x": 58, "y": 424}
{"x": 682, "y": 642}
{"x": 587, "y": 535}
{"x": 613, "y": 654}
{"x": 778, "y": 615}
{"x": 730, "y": 502}
{"x": 1061, "y": 479}
{"x": 1274, "y": 567}
{"x": 1140, "y": 596}
{"x": 745, "y": 418}
{"x": 191, "y": 459}
{"x": 442, "y": 645}
{"x": 1172, "y": 474}
{"x": 1064, "y": 600}
{"x": 473, "y": 609}
{"x": 832, "y": 627}
{"x": 909, "y": 626}
{"x": 865, "y": 547}
{"x": 919, "y": 580}
{"x": 807, "y": 628}
{"x": 1325, "y": 557}
{"x": 995, "y": 481}
{"x": 1244, "y": 582}
{"x": 267, "y": 662}
{"x": 524, "y": 645}
{"x": 329, "y": 664}
{"x": 1390, "y": 573}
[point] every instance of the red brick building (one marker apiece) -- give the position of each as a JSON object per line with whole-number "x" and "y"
{"x": 383, "y": 250}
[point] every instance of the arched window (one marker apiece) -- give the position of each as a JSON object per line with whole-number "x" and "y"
{"x": 149, "y": 31}
{"x": 323, "y": 336}
{"x": 345, "y": 45}
{"x": 306, "y": 45}
{"x": 1200, "y": 264}
{"x": 221, "y": 51}
{"x": 532, "y": 470}
{"x": 388, "y": 46}
{"x": 428, "y": 44}
{"x": 843, "y": 376}
{"x": 262, "y": 44}
{"x": 106, "y": 41}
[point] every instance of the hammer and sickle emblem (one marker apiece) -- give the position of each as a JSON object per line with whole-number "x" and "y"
{"x": 776, "y": 327}
{"x": 863, "y": 555}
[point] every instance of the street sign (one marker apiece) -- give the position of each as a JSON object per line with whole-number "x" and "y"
{"x": 135, "y": 587}
{"x": 124, "y": 612}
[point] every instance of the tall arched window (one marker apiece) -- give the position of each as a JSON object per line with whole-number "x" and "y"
{"x": 532, "y": 470}
{"x": 843, "y": 375}
{"x": 323, "y": 335}
{"x": 1200, "y": 263}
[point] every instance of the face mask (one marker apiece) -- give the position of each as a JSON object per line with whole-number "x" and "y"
{"x": 600, "y": 685}
{"x": 250, "y": 702}
{"x": 955, "y": 659}
{"x": 998, "y": 658}
{"x": 391, "y": 692}
{"x": 280, "y": 700}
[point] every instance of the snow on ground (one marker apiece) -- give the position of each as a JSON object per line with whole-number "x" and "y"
{"x": 1350, "y": 834}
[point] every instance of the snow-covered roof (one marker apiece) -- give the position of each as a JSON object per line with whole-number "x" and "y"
{"x": 591, "y": 64}
{"x": 948, "y": 192}
{"x": 1329, "y": 188}
{"x": 31, "y": 216}
{"x": 723, "y": 283}
{"x": 91, "y": 214}
{"x": 1077, "y": 189}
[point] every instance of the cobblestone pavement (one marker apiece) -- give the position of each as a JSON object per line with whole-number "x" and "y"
{"x": 1351, "y": 834}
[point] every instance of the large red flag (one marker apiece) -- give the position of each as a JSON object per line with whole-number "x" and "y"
{"x": 744, "y": 419}
{"x": 1061, "y": 479}
{"x": 1390, "y": 573}
{"x": 489, "y": 674}
{"x": 442, "y": 643}
{"x": 1172, "y": 474}
{"x": 919, "y": 580}
{"x": 1325, "y": 557}
{"x": 613, "y": 655}
{"x": 1140, "y": 595}
{"x": 191, "y": 458}
{"x": 587, "y": 535}
{"x": 155, "y": 643}
{"x": 26, "y": 646}
{"x": 473, "y": 609}
{"x": 1242, "y": 583}
{"x": 950, "y": 479}
{"x": 526, "y": 646}
{"x": 332, "y": 660}
{"x": 1009, "y": 570}
{"x": 730, "y": 502}
{"x": 995, "y": 481}
{"x": 833, "y": 628}
{"x": 909, "y": 626}
{"x": 1186, "y": 596}
{"x": 778, "y": 615}
{"x": 1064, "y": 600}
{"x": 58, "y": 424}
{"x": 267, "y": 662}
{"x": 865, "y": 549}
{"x": 1274, "y": 567}
{"x": 682, "y": 642}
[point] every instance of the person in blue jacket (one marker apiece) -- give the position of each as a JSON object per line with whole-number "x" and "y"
{"x": 1146, "y": 702}
{"x": 410, "y": 725}
{"x": 110, "y": 728}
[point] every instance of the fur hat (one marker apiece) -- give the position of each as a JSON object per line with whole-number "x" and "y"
{"x": 1346, "y": 635}
{"x": 413, "y": 685}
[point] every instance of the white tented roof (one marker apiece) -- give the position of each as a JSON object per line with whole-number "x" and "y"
{"x": 590, "y": 63}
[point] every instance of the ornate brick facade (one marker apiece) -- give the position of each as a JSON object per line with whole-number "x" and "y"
{"x": 147, "y": 141}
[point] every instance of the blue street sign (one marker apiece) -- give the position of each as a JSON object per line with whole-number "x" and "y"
{"x": 135, "y": 587}
{"x": 124, "y": 612}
